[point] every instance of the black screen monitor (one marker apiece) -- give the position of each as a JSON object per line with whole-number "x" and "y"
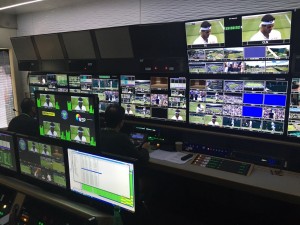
{"x": 41, "y": 161}
{"x": 49, "y": 46}
{"x": 108, "y": 179}
{"x": 68, "y": 116}
{"x": 7, "y": 151}
{"x": 79, "y": 45}
{"x": 24, "y": 48}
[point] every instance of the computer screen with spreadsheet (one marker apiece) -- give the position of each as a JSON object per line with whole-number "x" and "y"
{"x": 102, "y": 178}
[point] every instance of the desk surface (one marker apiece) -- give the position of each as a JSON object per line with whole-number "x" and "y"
{"x": 285, "y": 187}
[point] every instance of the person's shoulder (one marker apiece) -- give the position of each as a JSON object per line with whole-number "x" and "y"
{"x": 276, "y": 33}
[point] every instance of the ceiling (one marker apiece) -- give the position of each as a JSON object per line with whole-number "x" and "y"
{"x": 38, "y": 6}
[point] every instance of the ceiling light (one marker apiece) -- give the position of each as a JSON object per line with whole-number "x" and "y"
{"x": 19, "y": 4}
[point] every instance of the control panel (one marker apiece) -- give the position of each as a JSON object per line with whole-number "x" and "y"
{"x": 231, "y": 166}
{"x": 208, "y": 150}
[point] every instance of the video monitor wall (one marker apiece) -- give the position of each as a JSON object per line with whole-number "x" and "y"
{"x": 103, "y": 179}
{"x": 37, "y": 82}
{"x": 107, "y": 89}
{"x": 57, "y": 82}
{"x": 294, "y": 110}
{"x": 252, "y": 44}
{"x": 68, "y": 116}
{"x": 7, "y": 151}
{"x": 74, "y": 83}
{"x": 251, "y": 105}
{"x": 42, "y": 161}
{"x": 156, "y": 98}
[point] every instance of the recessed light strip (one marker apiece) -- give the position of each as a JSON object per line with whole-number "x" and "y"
{"x": 19, "y": 4}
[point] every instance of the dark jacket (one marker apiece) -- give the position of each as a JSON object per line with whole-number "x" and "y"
{"x": 24, "y": 124}
{"x": 119, "y": 143}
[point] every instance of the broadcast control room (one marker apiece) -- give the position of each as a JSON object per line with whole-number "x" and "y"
{"x": 143, "y": 112}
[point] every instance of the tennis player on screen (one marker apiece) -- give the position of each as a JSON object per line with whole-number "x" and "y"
{"x": 205, "y": 35}
{"x": 266, "y": 31}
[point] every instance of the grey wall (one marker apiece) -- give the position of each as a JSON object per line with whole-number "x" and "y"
{"x": 19, "y": 79}
{"x": 107, "y": 13}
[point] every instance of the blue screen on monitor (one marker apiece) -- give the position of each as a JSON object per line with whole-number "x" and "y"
{"x": 255, "y": 52}
{"x": 275, "y": 100}
{"x": 252, "y": 111}
{"x": 256, "y": 99}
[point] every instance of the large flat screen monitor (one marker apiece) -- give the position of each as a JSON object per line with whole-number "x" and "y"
{"x": 251, "y": 44}
{"x": 7, "y": 151}
{"x": 103, "y": 178}
{"x": 68, "y": 116}
{"x": 249, "y": 105}
{"x": 41, "y": 161}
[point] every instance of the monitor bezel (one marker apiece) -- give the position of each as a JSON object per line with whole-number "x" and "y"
{"x": 59, "y": 141}
{"x": 105, "y": 205}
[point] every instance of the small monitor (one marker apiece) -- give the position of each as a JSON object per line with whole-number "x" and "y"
{"x": 7, "y": 151}
{"x": 68, "y": 116}
{"x": 294, "y": 109}
{"x": 105, "y": 179}
{"x": 205, "y": 33}
{"x": 42, "y": 161}
{"x": 276, "y": 25}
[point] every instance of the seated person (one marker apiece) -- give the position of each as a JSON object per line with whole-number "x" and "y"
{"x": 25, "y": 123}
{"x": 79, "y": 136}
{"x": 80, "y": 105}
{"x": 113, "y": 141}
{"x": 266, "y": 31}
{"x": 205, "y": 36}
{"x": 177, "y": 115}
{"x": 47, "y": 102}
{"x": 52, "y": 131}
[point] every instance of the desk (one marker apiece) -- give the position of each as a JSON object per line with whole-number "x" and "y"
{"x": 260, "y": 182}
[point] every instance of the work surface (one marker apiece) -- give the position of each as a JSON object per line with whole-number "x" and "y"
{"x": 264, "y": 181}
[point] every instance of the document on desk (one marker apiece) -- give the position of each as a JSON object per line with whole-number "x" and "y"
{"x": 174, "y": 157}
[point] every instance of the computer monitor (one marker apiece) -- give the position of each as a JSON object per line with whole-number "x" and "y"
{"x": 107, "y": 179}
{"x": 107, "y": 89}
{"x": 41, "y": 161}
{"x": 68, "y": 116}
{"x": 7, "y": 151}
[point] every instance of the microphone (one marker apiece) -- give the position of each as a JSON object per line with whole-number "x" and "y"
{"x": 15, "y": 110}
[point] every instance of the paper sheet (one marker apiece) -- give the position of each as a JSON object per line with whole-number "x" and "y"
{"x": 174, "y": 157}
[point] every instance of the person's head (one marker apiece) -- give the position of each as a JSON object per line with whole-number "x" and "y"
{"x": 267, "y": 23}
{"x": 177, "y": 113}
{"x": 214, "y": 118}
{"x": 28, "y": 107}
{"x": 80, "y": 132}
{"x": 48, "y": 99}
{"x": 52, "y": 126}
{"x": 114, "y": 115}
{"x": 80, "y": 102}
{"x": 128, "y": 107}
{"x": 205, "y": 29}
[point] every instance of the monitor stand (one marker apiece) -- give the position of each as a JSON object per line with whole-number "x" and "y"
{"x": 117, "y": 216}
